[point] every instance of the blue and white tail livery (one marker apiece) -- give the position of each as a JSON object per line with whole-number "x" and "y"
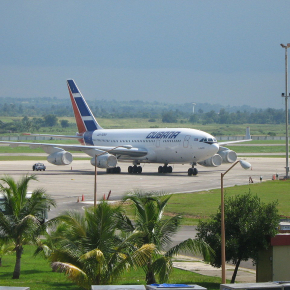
{"x": 84, "y": 117}
{"x": 138, "y": 146}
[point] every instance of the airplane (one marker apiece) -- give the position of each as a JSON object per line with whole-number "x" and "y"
{"x": 165, "y": 146}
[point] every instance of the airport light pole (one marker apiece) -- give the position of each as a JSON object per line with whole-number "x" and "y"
{"x": 96, "y": 157}
{"x": 193, "y": 107}
{"x": 245, "y": 165}
{"x": 286, "y": 108}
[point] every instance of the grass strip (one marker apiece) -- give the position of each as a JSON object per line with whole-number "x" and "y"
{"x": 37, "y": 274}
{"x": 201, "y": 205}
{"x": 258, "y": 149}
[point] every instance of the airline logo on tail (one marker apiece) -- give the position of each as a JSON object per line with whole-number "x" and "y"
{"x": 84, "y": 117}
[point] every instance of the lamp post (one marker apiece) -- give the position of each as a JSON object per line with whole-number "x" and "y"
{"x": 286, "y": 108}
{"x": 96, "y": 156}
{"x": 245, "y": 165}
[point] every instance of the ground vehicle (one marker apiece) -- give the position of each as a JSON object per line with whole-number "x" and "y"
{"x": 38, "y": 166}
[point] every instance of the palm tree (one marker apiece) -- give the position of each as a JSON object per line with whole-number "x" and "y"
{"x": 155, "y": 229}
{"x": 21, "y": 221}
{"x": 91, "y": 249}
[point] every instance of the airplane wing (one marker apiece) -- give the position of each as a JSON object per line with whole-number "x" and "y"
{"x": 247, "y": 139}
{"x": 232, "y": 142}
{"x": 90, "y": 150}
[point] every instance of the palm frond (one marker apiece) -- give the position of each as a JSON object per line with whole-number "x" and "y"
{"x": 74, "y": 273}
{"x": 141, "y": 255}
{"x": 193, "y": 246}
{"x": 167, "y": 228}
{"x": 96, "y": 254}
{"x": 6, "y": 226}
{"x": 162, "y": 267}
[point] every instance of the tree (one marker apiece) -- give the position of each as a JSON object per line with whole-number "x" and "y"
{"x": 26, "y": 123}
{"x": 193, "y": 118}
{"x": 64, "y": 123}
{"x": 149, "y": 221}
{"x": 20, "y": 223}
{"x": 169, "y": 117}
{"x": 50, "y": 120}
{"x": 90, "y": 249}
{"x": 249, "y": 224}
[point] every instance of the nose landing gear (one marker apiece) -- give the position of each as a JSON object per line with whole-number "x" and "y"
{"x": 192, "y": 171}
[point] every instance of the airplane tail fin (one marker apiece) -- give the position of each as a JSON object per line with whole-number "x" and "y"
{"x": 84, "y": 117}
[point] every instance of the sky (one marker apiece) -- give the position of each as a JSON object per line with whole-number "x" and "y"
{"x": 177, "y": 51}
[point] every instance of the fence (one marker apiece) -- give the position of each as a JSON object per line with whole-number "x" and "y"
{"x": 219, "y": 138}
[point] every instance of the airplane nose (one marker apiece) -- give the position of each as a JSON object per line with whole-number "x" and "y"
{"x": 215, "y": 148}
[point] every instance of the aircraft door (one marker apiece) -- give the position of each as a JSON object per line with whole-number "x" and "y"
{"x": 157, "y": 143}
{"x": 186, "y": 141}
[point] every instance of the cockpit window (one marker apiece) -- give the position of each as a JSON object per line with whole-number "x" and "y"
{"x": 208, "y": 140}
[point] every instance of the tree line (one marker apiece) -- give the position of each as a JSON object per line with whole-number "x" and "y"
{"x": 96, "y": 247}
{"x": 32, "y": 124}
{"x": 269, "y": 116}
{"x": 204, "y": 113}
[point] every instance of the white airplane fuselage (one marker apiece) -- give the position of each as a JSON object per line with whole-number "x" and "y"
{"x": 166, "y": 145}
{"x": 153, "y": 145}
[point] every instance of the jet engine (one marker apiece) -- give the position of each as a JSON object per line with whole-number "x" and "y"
{"x": 213, "y": 161}
{"x": 60, "y": 158}
{"x": 105, "y": 161}
{"x": 227, "y": 155}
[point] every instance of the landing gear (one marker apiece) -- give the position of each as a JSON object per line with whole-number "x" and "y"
{"x": 114, "y": 170}
{"x": 192, "y": 171}
{"x": 165, "y": 169}
{"x": 134, "y": 169}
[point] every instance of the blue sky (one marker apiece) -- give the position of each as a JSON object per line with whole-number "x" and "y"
{"x": 177, "y": 51}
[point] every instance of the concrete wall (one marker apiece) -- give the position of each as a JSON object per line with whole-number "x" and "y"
{"x": 25, "y": 138}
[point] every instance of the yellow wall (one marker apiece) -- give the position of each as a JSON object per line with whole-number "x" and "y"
{"x": 264, "y": 267}
{"x": 281, "y": 259}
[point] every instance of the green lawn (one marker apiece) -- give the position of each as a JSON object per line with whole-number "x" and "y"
{"x": 200, "y": 205}
{"x": 258, "y": 149}
{"x": 37, "y": 274}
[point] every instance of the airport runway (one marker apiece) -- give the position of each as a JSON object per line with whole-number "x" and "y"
{"x": 68, "y": 183}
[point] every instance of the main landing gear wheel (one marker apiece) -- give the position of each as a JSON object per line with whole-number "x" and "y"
{"x": 192, "y": 171}
{"x": 134, "y": 169}
{"x": 165, "y": 169}
{"x": 114, "y": 170}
